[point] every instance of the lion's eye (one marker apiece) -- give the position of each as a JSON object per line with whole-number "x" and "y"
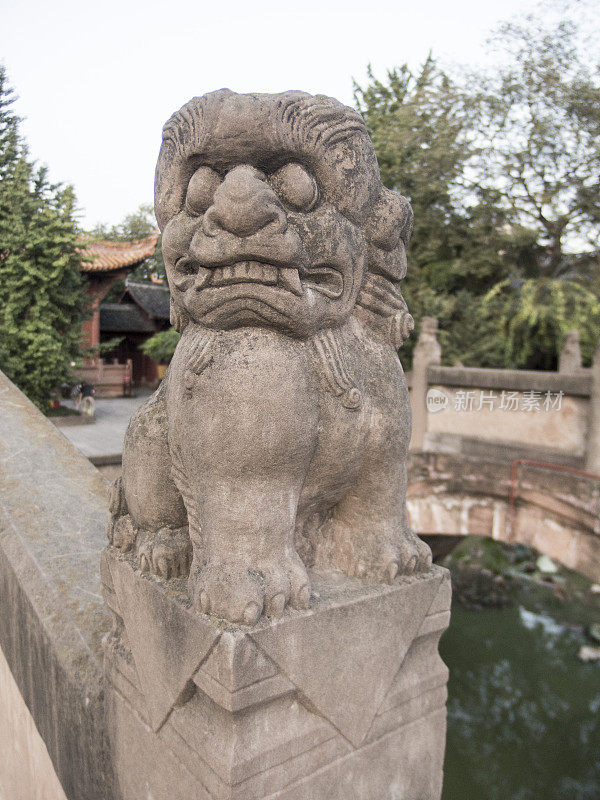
{"x": 295, "y": 187}
{"x": 201, "y": 190}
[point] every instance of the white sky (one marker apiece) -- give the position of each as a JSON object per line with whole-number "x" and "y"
{"x": 97, "y": 80}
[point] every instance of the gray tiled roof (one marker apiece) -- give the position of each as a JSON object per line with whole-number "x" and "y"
{"x": 124, "y": 318}
{"x": 105, "y": 256}
{"x": 152, "y": 297}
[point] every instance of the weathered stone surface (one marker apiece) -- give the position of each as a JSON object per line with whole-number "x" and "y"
{"x": 167, "y": 642}
{"x": 26, "y": 771}
{"x": 278, "y": 438}
{"x": 358, "y": 646}
{"x": 290, "y": 708}
{"x": 53, "y": 505}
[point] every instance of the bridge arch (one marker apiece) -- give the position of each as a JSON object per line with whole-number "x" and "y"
{"x": 557, "y": 512}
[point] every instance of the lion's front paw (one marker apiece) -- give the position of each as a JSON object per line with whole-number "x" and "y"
{"x": 376, "y": 555}
{"x": 167, "y": 554}
{"x": 240, "y": 593}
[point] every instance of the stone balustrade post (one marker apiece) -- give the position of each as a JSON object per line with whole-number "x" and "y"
{"x": 569, "y": 359}
{"x": 426, "y": 353}
{"x": 276, "y": 620}
{"x": 592, "y": 461}
{"x": 344, "y": 701}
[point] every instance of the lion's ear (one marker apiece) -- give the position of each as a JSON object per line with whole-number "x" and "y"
{"x": 381, "y": 306}
{"x": 387, "y": 230}
{"x": 380, "y": 303}
{"x": 392, "y": 264}
{"x": 390, "y": 219}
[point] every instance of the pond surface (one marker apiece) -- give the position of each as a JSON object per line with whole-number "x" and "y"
{"x": 523, "y": 709}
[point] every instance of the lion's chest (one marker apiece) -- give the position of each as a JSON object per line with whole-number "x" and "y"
{"x": 255, "y": 402}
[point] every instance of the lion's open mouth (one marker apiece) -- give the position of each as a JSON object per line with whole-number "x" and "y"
{"x": 324, "y": 279}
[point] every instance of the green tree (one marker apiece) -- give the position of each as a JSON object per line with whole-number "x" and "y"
{"x": 538, "y": 126}
{"x": 418, "y": 129}
{"x": 10, "y": 144}
{"x": 422, "y": 129}
{"x": 41, "y": 289}
{"x": 533, "y": 317}
{"x": 539, "y": 131}
{"x": 503, "y": 173}
{"x": 162, "y": 345}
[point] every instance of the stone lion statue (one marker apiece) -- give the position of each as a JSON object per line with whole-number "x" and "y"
{"x": 279, "y": 436}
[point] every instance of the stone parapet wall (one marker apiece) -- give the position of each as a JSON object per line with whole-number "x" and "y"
{"x": 504, "y": 413}
{"x": 53, "y": 506}
{"x": 520, "y": 380}
{"x": 26, "y": 770}
{"x": 561, "y": 430}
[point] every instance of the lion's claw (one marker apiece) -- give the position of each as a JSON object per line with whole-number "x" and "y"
{"x": 122, "y": 533}
{"x": 166, "y": 554}
{"x": 391, "y": 571}
{"x": 240, "y": 593}
{"x": 381, "y": 557}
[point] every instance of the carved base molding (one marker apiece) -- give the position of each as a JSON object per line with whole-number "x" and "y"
{"x": 345, "y": 701}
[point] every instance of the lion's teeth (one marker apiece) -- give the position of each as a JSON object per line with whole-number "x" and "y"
{"x": 290, "y": 279}
{"x": 203, "y": 277}
{"x": 252, "y": 272}
{"x": 228, "y": 275}
{"x": 263, "y": 273}
{"x": 241, "y": 271}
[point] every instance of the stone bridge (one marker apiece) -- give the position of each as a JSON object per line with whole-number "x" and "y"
{"x": 554, "y": 509}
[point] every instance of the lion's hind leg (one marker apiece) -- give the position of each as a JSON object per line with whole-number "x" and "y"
{"x": 368, "y": 534}
{"x": 147, "y": 512}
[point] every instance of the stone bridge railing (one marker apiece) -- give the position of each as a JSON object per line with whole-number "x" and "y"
{"x": 505, "y": 414}
{"x": 55, "y": 740}
{"x": 52, "y": 617}
{"x": 555, "y": 511}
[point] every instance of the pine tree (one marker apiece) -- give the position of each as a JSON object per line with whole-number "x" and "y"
{"x": 42, "y": 294}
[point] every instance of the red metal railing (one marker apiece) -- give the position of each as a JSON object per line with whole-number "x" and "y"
{"x": 541, "y": 465}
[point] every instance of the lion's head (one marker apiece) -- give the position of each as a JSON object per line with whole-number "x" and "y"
{"x": 272, "y": 212}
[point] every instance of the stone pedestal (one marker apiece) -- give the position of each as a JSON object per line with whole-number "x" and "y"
{"x": 345, "y": 701}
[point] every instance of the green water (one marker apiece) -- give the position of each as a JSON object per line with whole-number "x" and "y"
{"x": 523, "y": 710}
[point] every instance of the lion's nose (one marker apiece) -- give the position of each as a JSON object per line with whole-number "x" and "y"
{"x": 244, "y": 204}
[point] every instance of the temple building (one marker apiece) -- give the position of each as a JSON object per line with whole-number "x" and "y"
{"x": 141, "y": 311}
{"x": 105, "y": 264}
